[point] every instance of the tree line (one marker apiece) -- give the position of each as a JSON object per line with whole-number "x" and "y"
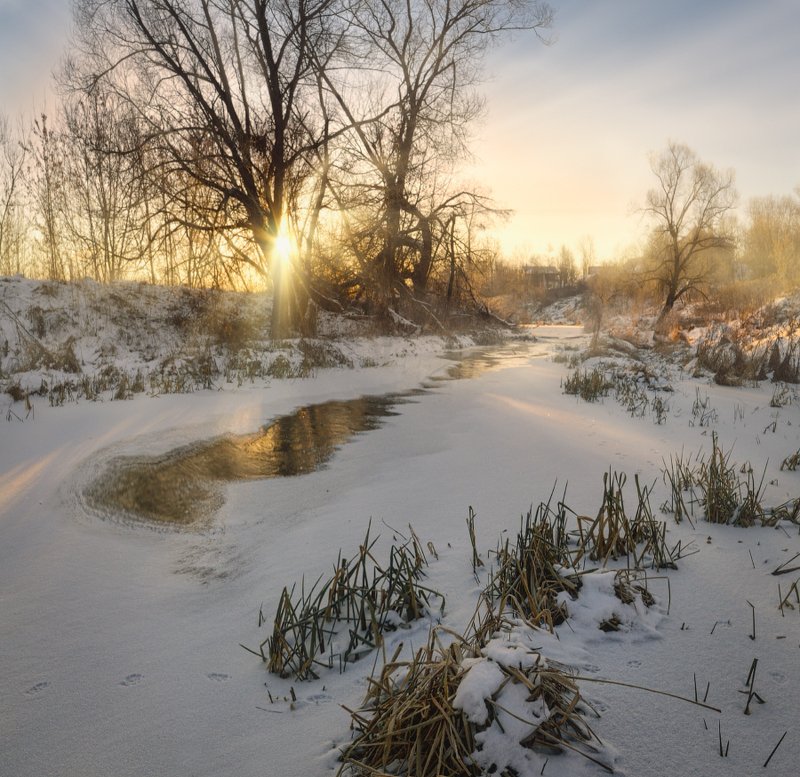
{"x": 201, "y": 141}
{"x": 695, "y": 248}
{"x": 313, "y": 145}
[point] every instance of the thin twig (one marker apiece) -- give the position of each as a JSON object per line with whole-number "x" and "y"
{"x": 774, "y": 749}
{"x": 643, "y": 688}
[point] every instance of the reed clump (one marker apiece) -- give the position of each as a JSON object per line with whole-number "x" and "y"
{"x": 715, "y": 486}
{"x": 345, "y": 615}
{"x": 679, "y": 475}
{"x": 719, "y": 485}
{"x": 409, "y": 724}
{"x": 589, "y": 385}
{"x": 414, "y": 721}
{"x": 532, "y": 572}
{"x": 630, "y": 584}
{"x": 429, "y": 717}
{"x": 537, "y": 575}
{"x": 633, "y": 391}
{"x": 614, "y": 534}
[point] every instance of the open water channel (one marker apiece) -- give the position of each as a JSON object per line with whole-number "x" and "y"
{"x": 182, "y": 486}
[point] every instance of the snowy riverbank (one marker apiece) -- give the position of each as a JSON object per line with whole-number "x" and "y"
{"x": 120, "y": 652}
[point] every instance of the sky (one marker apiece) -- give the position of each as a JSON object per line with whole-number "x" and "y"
{"x": 33, "y": 35}
{"x": 569, "y": 127}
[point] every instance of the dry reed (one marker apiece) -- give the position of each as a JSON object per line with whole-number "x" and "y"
{"x": 361, "y": 595}
{"x": 410, "y": 724}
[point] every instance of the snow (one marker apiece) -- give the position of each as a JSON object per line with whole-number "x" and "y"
{"x": 479, "y": 683}
{"x": 120, "y": 651}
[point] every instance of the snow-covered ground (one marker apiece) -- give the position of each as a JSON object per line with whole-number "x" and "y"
{"x": 120, "y": 651}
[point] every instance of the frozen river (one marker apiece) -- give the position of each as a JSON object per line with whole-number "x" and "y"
{"x": 120, "y": 651}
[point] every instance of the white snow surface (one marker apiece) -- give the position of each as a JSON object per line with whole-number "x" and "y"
{"x": 479, "y": 683}
{"x": 120, "y": 644}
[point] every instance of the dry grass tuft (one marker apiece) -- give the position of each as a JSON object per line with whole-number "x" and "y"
{"x": 411, "y": 724}
{"x": 715, "y": 485}
{"x": 367, "y": 598}
{"x": 532, "y": 572}
{"x": 613, "y": 534}
{"x": 792, "y": 462}
{"x": 589, "y": 385}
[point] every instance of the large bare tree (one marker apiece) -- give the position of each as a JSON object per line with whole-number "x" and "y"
{"x": 688, "y": 208}
{"x": 409, "y": 99}
{"x": 222, "y": 90}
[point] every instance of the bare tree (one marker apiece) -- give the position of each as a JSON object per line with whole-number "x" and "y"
{"x": 567, "y": 271}
{"x": 610, "y": 284}
{"x": 587, "y": 253}
{"x": 409, "y": 102}
{"x": 48, "y": 197}
{"x": 772, "y": 238}
{"x": 688, "y": 208}
{"x": 12, "y": 164}
{"x": 104, "y": 213}
{"x": 221, "y": 87}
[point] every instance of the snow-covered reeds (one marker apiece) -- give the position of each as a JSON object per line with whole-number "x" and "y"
{"x": 448, "y": 711}
{"x": 751, "y": 350}
{"x": 533, "y": 571}
{"x": 533, "y": 574}
{"x": 361, "y": 595}
{"x": 409, "y": 724}
{"x": 630, "y": 584}
{"x": 632, "y": 388}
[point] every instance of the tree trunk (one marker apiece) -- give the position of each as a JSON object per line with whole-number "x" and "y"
{"x": 423, "y": 267}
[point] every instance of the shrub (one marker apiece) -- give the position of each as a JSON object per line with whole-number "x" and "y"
{"x": 319, "y": 354}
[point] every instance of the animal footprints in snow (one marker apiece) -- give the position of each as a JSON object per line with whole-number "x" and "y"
{"x": 319, "y": 697}
{"x": 315, "y": 698}
{"x": 218, "y": 677}
{"x": 779, "y": 677}
{"x": 634, "y": 662}
{"x": 37, "y": 689}
{"x": 131, "y": 679}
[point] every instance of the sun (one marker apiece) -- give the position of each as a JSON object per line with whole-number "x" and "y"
{"x": 283, "y": 249}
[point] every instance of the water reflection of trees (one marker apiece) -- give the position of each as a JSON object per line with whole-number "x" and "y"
{"x": 178, "y": 487}
{"x": 182, "y": 486}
